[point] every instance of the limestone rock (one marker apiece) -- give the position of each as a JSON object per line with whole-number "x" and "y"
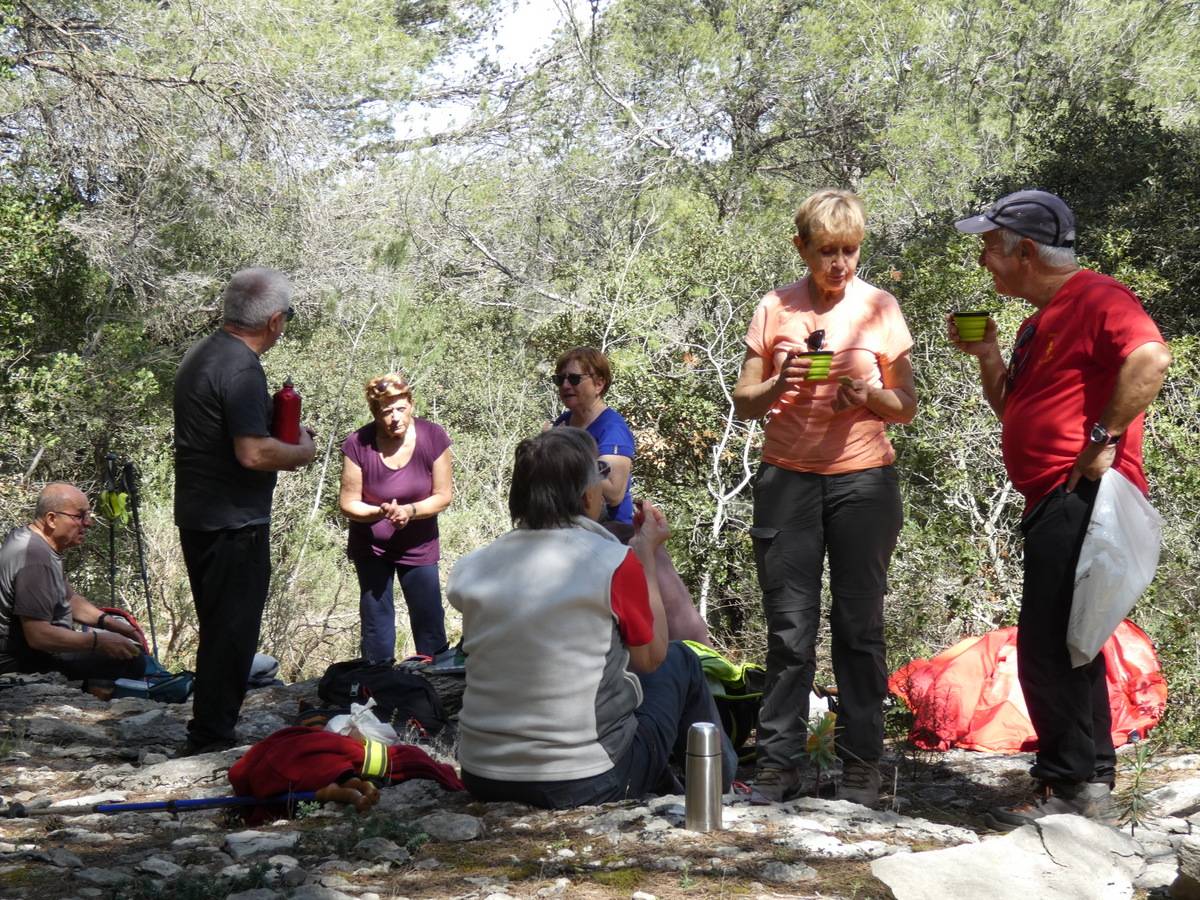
{"x": 1056, "y": 858}
{"x": 69, "y": 730}
{"x": 244, "y": 844}
{"x": 1156, "y": 877}
{"x": 1179, "y": 798}
{"x": 786, "y": 873}
{"x": 103, "y": 877}
{"x": 381, "y": 848}
{"x": 154, "y": 726}
{"x": 1187, "y": 884}
{"x": 58, "y": 856}
{"x": 416, "y": 793}
{"x": 443, "y": 826}
{"x": 163, "y": 868}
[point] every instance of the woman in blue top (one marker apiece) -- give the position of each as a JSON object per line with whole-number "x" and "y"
{"x": 582, "y": 376}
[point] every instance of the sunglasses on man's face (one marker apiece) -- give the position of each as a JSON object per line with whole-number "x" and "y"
{"x": 574, "y": 378}
{"x": 290, "y": 313}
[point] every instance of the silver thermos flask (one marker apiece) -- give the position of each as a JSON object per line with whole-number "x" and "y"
{"x": 703, "y": 777}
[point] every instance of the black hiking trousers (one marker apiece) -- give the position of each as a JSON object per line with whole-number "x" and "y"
{"x": 799, "y": 519}
{"x": 1068, "y": 706}
{"x": 229, "y": 571}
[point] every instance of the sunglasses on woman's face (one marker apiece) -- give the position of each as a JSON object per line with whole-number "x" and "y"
{"x": 574, "y": 378}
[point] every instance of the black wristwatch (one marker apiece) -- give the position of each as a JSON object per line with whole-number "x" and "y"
{"x": 1101, "y": 435}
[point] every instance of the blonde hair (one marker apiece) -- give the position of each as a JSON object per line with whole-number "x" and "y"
{"x": 386, "y": 389}
{"x": 833, "y": 213}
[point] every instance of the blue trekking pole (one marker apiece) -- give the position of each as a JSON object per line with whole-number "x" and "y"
{"x": 290, "y": 799}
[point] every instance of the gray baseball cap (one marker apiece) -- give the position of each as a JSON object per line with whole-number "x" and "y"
{"x": 1037, "y": 215}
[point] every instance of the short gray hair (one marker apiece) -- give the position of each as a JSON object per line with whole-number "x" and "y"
{"x": 53, "y": 497}
{"x": 1054, "y": 257}
{"x": 254, "y": 295}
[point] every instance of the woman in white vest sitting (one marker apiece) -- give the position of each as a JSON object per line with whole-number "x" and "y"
{"x": 574, "y": 695}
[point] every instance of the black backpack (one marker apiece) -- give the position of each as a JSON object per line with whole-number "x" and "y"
{"x": 401, "y": 698}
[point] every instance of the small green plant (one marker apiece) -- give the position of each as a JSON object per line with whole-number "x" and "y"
{"x": 686, "y": 880}
{"x": 306, "y": 808}
{"x": 403, "y": 834}
{"x": 821, "y": 745}
{"x": 1132, "y": 802}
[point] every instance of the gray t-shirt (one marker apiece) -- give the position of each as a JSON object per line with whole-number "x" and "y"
{"x": 32, "y": 585}
{"x": 220, "y": 393}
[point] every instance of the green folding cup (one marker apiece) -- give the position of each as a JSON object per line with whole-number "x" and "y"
{"x": 819, "y": 371}
{"x": 972, "y": 326}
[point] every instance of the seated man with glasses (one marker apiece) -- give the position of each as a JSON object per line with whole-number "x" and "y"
{"x": 39, "y": 609}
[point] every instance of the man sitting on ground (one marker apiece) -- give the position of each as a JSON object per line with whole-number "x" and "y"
{"x": 555, "y": 615}
{"x": 39, "y": 609}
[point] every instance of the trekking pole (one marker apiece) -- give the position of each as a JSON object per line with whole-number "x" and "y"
{"x": 110, "y": 483}
{"x": 290, "y": 799}
{"x": 130, "y": 474}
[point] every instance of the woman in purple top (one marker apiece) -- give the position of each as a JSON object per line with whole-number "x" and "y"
{"x": 396, "y": 478}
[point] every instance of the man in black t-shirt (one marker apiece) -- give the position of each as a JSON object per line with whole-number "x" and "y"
{"x": 39, "y": 609}
{"x": 225, "y": 466}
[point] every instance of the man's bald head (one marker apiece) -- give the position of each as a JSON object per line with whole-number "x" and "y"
{"x": 57, "y": 496}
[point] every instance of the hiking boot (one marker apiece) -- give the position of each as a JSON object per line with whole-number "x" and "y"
{"x": 1092, "y": 801}
{"x": 860, "y": 783}
{"x": 199, "y": 748}
{"x": 774, "y": 785}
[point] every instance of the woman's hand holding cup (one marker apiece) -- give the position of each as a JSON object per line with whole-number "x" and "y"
{"x": 792, "y": 367}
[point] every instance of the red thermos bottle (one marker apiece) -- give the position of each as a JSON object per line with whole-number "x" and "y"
{"x": 285, "y": 424}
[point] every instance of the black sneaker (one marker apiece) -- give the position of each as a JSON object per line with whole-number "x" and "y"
{"x": 1092, "y": 801}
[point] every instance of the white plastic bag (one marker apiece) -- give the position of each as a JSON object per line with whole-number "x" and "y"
{"x": 1116, "y": 563}
{"x": 362, "y": 723}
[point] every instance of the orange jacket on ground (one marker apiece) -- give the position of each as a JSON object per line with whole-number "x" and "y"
{"x": 968, "y": 696}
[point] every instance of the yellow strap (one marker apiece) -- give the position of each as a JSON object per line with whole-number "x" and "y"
{"x": 375, "y": 759}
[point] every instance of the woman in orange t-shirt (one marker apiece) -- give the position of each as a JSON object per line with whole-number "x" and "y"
{"x": 826, "y": 487}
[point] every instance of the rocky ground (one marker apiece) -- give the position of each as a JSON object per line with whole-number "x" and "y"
{"x": 60, "y": 747}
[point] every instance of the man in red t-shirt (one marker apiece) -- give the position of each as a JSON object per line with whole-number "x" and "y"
{"x": 1071, "y": 401}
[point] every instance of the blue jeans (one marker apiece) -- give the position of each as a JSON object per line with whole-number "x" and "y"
{"x": 377, "y": 607}
{"x": 675, "y": 695}
{"x": 799, "y": 517}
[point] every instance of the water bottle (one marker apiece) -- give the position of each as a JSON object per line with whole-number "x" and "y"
{"x": 285, "y": 422}
{"x": 703, "y": 777}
